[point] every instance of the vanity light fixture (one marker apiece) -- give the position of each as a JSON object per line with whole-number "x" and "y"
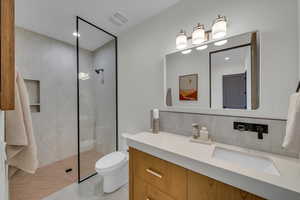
{"x": 181, "y": 40}
{"x": 220, "y": 43}
{"x": 219, "y": 28}
{"x": 200, "y": 35}
{"x": 186, "y": 51}
{"x": 75, "y": 34}
{"x": 201, "y": 47}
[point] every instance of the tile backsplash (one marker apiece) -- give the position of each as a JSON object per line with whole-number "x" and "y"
{"x": 221, "y": 130}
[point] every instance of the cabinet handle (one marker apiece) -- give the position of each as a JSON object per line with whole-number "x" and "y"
{"x": 148, "y": 198}
{"x": 154, "y": 174}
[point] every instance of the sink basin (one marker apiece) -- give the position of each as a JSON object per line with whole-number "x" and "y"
{"x": 259, "y": 163}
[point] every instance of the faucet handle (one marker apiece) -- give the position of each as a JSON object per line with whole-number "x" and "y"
{"x": 260, "y": 131}
{"x": 196, "y": 131}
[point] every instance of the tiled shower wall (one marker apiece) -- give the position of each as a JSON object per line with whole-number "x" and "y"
{"x": 221, "y": 130}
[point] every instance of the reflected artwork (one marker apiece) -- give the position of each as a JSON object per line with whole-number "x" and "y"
{"x": 188, "y": 87}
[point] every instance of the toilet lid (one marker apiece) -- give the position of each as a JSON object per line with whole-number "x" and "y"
{"x": 111, "y": 160}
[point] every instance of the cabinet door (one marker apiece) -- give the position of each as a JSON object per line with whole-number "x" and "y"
{"x": 201, "y": 187}
{"x": 204, "y": 188}
{"x": 167, "y": 177}
{"x": 225, "y": 191}
{"x": 7, "y": 55}
{"x": 139, "y": 189}
{"x": 155, "y": 194}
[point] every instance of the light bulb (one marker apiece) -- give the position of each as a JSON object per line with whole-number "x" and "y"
{"x": 198, "y": 35}
{"x": 219, "y": 28}
{"x": 181, "y": 40}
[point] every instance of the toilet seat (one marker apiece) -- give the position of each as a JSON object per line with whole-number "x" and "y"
{"x": 111, "y": 162}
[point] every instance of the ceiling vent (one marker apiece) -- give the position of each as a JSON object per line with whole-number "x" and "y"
{"x": 118, "y": 19}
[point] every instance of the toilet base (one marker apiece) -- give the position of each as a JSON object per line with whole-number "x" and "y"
{"x": 115, "y": 180}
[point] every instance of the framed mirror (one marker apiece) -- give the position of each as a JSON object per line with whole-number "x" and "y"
{"x": 220, "y": 75}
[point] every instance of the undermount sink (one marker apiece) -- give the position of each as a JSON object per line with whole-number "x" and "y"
{"x": 261, "y": 164}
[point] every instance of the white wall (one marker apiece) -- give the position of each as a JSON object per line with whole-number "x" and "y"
{"x": 105, "y": 98}
{"x": 142, "y": 48}
{"x": 86, "y": 102}
{"x": 298, "y": 9}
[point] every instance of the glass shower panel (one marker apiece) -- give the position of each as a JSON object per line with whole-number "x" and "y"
{"x": 96, "y": 50}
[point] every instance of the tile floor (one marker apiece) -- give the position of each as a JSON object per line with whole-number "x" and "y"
{"x": 51, "y": 178}
{"x": 90, "y": 189}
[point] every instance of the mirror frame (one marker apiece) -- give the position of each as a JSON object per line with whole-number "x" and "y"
{"x": 255, "y": 97}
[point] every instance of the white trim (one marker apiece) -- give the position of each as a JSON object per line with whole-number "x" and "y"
{"x": 3, "y": 166}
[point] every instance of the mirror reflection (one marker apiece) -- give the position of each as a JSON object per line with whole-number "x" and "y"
{"x": 219, "y": 75}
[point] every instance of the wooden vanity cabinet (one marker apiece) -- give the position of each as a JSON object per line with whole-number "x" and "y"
{"x": 151, "y": 178}
{"x": 7, "y": 55}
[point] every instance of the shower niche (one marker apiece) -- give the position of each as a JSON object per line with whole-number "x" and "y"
{"x": 97, "y": 95}
{"x": 33, "y": 87}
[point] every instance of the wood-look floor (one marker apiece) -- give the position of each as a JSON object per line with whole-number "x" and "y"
{"x": 51, "y": 178}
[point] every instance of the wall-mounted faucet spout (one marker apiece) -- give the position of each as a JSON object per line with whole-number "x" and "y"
{"x": 259, "y": 128}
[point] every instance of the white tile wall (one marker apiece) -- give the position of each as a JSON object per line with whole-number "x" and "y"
{"x": 53, "y": 63}
{"x": 221, "y": 130}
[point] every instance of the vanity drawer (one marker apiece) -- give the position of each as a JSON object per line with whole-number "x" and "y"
{"x": 167, "y": 177}
{"x": 145, "y": 191}
{"x": 205, "y": 188}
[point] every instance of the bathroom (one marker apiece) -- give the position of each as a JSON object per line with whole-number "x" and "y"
{"x": 83, "y": 63}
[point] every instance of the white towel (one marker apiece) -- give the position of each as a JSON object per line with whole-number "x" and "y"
{"x": 292, "y": 136}
{"x": 21, "y": 144}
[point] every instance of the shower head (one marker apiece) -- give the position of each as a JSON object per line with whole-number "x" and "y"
{"x": 98, "y": 70}
{"x": 101, "y": 72}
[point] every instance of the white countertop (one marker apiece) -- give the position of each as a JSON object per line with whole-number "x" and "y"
{"x": 198, "y": 157}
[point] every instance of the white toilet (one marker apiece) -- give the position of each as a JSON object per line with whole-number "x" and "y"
{"x": 114, "y": 168}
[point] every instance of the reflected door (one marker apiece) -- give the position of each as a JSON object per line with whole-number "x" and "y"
{"x": 235, "y": 91}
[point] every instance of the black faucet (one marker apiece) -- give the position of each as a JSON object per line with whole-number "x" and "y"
{"x": 260, "y": 129}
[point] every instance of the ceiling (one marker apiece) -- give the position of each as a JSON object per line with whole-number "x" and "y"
{"x": 233, "y": 57}
{"x": 56, "y": 18}
{"x": 90, "y": 38}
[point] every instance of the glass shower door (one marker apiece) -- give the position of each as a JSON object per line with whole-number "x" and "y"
{"x": 97, "y": 95}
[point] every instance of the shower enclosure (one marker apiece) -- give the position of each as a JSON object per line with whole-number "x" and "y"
{"x": 96, "y": 94}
